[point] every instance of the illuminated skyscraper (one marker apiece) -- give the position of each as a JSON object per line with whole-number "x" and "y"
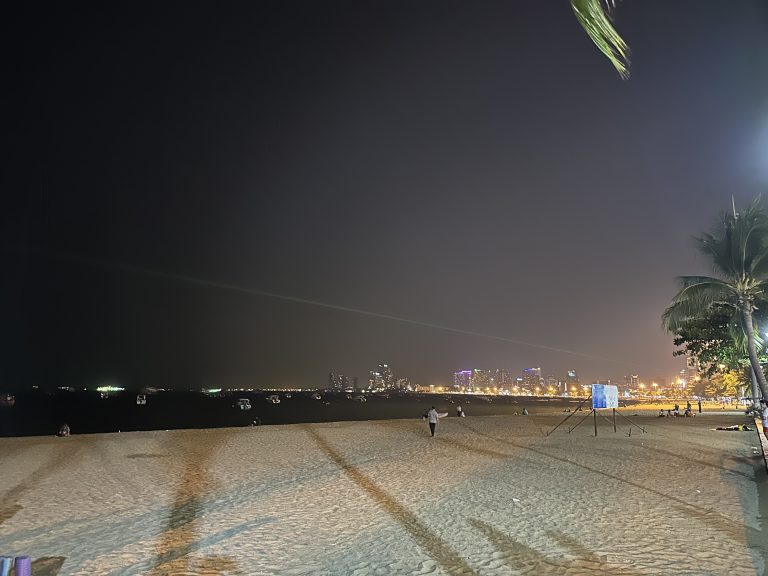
{"x": 375, "y": 381}
{"x": 502, "y": 378}
{"x": 481, "y": 379}
{"x": 382, "y": 378}
{"x": 531, "y": 379}
{"x": 462, "y": 379}
{"x": 572, "y": 382}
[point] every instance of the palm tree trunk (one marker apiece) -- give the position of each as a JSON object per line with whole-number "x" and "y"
{"x": 746, "y": 316}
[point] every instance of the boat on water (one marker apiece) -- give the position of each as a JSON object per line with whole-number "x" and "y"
{"x": 243, "y": 404}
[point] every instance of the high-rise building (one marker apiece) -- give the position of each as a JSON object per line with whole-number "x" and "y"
{"x": 502, "y": 378}
{"x": 387, "y": 377}
{"x": 341, "y": 381}
{"x": 382, "y": 378}
{"x": 531, "y": 379}
{"x": 462, "y": 379}
{"x": 375, "y": 381}
{"x": 572, "y": 382}
{"x": 630, "y": 385}
{"x": 552, "y": 384}
{"x": 481, "y": 379}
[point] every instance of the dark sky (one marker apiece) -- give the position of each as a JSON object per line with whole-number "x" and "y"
{"x": 473, "y": 164}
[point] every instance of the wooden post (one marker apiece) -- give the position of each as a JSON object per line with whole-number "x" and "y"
{"x": 614, "y": 419}
{"x": 594, "y": 413}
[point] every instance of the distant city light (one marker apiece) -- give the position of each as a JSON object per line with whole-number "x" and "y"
{"x": 104, "y": 389}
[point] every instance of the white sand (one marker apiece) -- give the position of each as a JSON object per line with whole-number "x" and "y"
{"x": 486, "y": 496}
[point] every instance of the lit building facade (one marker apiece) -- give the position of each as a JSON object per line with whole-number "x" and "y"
{"x": 462, "y": 379}
{"x": 531, "y": 379}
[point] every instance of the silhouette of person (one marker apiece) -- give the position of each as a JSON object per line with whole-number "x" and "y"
{"x": 432, "y": 417}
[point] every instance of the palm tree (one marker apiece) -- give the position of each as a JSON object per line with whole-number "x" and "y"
{"x": 595, "y": 18}
{"x": 739, "y": 253}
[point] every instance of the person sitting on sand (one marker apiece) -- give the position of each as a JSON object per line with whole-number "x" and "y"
{"x": 669, "y": 412}
{"x": 661, "y": 413}
{"x": 63, "y": 431}
{"x": 459, "y": 413}
{"x": 525, "y": 411}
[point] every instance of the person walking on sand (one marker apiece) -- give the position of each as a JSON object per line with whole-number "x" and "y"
{"x": 699, "y": 405}
{"x": 432, "y": 417}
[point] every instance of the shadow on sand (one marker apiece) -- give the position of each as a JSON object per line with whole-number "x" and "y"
{"x": 63, "y": 454}
{"x": 438, "y": 550}
{"x": 180, "y": 537}
{"x": 526, "y": 560}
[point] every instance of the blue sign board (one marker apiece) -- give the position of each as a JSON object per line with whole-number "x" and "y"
{"x": 604, "y": 396}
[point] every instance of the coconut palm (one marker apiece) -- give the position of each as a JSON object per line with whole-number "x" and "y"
{"x": 739, "y": 253}
{"x": 595, "y": 18}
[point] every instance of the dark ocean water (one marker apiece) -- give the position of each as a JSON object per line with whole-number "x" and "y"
{"x": 38, "y": 413}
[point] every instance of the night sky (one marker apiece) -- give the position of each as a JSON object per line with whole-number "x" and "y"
{"x": 471, "y": 164}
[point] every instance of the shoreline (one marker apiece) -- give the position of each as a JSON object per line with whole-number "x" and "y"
{"x": 39, "y": 414}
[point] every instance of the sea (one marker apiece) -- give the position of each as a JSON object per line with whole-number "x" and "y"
{"x": 36, "y": 413}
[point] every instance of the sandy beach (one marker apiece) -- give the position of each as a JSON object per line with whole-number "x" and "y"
{"x": 487, "y": 495}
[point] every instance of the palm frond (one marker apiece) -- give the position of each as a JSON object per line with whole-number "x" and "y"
{"x": 698, "y": 294}
{"x": 718, "y": 249}
{"x": 594, "y": 17}
{"x": 739, "y": 242}
{"x": 759, "y": 266}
